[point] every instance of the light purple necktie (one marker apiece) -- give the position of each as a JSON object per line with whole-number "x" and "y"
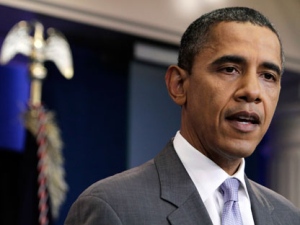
{"x": 231, "y": 212}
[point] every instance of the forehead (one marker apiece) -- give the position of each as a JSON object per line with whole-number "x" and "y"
{"x": 237, "y": 26}
{"x": 246, "y": 39}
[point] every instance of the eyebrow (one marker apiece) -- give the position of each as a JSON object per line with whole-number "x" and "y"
{"x": 240, "y": 60}
{"x": 229, "y": 58}
{"x": 272, "y": 66}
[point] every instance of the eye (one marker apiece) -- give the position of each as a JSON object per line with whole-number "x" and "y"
{"x": 269, "y": 76}
{"x": 229, "y": 70}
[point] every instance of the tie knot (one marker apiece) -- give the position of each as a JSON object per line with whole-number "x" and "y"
{"x": 230, "y": 189}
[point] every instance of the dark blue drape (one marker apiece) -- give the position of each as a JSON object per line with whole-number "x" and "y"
{"x": 14, "y": 93}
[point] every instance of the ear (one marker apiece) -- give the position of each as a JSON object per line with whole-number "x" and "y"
{"x": 176, "y": 81}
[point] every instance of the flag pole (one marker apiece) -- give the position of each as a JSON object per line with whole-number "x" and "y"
{"x": 52, "y": 186}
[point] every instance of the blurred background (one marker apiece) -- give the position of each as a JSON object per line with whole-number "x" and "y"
{"x": 115, "y": 113}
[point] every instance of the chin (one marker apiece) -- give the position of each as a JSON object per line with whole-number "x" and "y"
{"x": 240, "y": 149}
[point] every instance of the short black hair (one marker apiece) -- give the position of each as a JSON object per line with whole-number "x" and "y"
{"x": 196, "y": 35}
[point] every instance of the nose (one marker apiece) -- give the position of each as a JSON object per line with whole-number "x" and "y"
{"x": 249, "y": 89}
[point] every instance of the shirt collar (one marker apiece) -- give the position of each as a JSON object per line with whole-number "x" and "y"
{"x": 200, "y": 168}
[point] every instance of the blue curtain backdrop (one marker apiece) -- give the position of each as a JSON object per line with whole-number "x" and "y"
{"x": 14, "y": 91}
{"x": 91, "y": 111}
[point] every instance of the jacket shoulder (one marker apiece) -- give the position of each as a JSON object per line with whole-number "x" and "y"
{"x": 129, "y": 197}
{"x": 141, "y": 177}
{"x": 283, "y": 209}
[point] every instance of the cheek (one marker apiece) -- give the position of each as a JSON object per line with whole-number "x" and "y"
{"x": 270, "y": 109}
{"x": 210, "y": 95}
{"x": 215, "y": 102}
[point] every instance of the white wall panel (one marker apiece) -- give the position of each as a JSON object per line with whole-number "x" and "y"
{"x": 166, "y": 20}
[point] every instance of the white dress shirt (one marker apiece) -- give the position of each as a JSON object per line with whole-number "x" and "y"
{"x": 207, "y": 177}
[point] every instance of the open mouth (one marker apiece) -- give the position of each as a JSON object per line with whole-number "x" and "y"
{"x": 244, "y": 117}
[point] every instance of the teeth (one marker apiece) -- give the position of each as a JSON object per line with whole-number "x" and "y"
{"x": 245, "y": 118}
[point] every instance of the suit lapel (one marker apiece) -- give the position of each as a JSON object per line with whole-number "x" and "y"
{"x": 260, "y": 206}
{"x": 178, "y": 189}
{"x": 191, "y": 212}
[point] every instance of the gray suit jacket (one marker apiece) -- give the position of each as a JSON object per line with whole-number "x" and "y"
{"x": 160, "y": 192}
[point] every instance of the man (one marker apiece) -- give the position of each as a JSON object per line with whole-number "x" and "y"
{"x": 227, "y": 83}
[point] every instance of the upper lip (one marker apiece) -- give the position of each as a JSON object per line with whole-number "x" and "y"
{"x": 245, "y": 116}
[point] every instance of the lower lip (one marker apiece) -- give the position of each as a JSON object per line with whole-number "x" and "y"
{"x": 243, "y": 126}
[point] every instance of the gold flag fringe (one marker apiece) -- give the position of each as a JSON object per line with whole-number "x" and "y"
{"x": 55, "y": 173}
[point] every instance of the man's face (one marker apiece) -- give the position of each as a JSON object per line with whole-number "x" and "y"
{"x": 232, "y": 91}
